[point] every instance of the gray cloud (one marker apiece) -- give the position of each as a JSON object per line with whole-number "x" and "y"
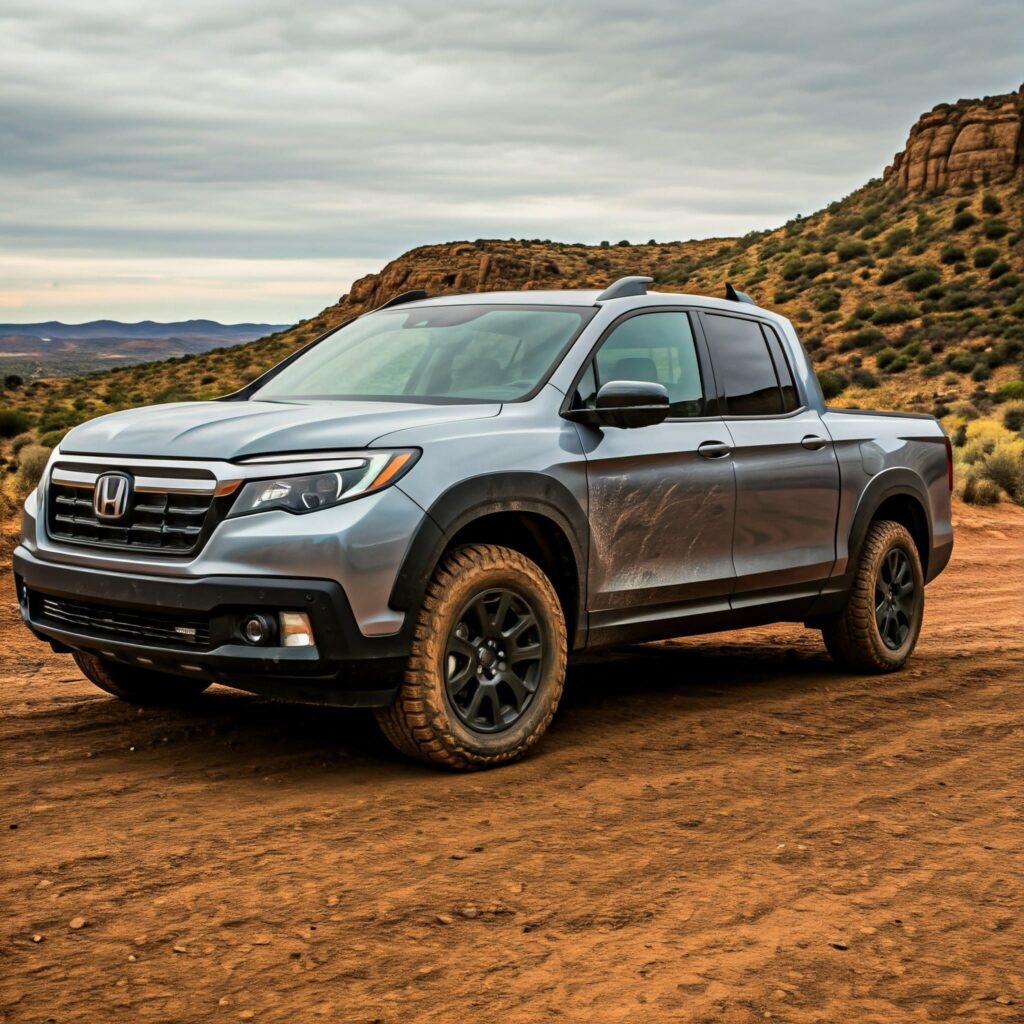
{"x": 256, "y": 130}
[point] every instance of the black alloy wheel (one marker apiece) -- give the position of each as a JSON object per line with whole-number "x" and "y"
{"x": 494, "y": 660}
{"x": 895, "y": 599}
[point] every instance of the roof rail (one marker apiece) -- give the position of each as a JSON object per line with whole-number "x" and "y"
{"x": 399, "y": 300}
{"x": 625, "y": 286}
{"x": 734, "y": 296}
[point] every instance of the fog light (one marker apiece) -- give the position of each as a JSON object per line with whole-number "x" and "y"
{"x": 257, "y": 629}
{"x": 296, "y": 630}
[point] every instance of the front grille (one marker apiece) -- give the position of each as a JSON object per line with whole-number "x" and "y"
{"x": 166, "y": 522}
{"x": 137, "y": 627}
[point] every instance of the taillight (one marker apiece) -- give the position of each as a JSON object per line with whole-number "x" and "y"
{"x": 949, "y": 463}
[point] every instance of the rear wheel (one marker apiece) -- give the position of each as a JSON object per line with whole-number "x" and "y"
{"x": 138, "y": 685}
{"x": 487, "y": 665}
{"x": 879, "y": 627}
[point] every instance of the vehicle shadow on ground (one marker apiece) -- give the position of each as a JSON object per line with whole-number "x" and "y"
{"x": 650, "y": 677}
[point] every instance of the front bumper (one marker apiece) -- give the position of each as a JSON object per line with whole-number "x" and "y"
{"x": 345, "y": 668}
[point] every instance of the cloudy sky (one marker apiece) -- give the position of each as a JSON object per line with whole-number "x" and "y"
{"x": 247, "y": 159}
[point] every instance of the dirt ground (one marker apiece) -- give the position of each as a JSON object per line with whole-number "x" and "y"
{"x": 722, "y": 829}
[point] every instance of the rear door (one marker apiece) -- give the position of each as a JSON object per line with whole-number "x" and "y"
{"x": 661, "y": 497}
{"x": 787, "y": 475}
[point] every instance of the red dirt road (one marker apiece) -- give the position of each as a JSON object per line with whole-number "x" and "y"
{"x": 721, "y": 829}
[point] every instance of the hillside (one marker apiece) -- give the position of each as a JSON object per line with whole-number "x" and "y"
{"x": 908, "y": 293}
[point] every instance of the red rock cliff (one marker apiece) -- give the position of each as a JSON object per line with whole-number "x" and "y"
{"x": 956, "y": 145}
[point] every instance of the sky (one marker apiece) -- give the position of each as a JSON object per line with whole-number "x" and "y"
{"x": 246, "y": 160}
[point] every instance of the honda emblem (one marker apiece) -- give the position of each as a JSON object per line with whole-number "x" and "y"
{"x": 110, "y": 495}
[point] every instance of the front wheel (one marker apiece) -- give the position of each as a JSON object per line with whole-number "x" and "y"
{"x": 487, "y": 665}
{"x": 138, "y": 685}
{"x": 878, "y": 628}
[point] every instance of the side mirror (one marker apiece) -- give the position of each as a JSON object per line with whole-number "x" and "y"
{"x": 626, "y": 404}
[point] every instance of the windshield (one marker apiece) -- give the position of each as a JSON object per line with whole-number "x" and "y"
{"x": 436, "y": 353}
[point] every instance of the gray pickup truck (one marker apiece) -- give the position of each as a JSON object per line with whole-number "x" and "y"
{"x": 427, "y": 509}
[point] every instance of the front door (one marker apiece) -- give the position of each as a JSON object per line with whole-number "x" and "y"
{"x": 661, "y": 497}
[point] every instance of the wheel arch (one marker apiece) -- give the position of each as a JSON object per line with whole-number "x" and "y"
{"x": 530, "y": 512}
{"x": 901, "y": 496}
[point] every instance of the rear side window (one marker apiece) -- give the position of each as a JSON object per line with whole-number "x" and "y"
{"x": 657, "y": 348}
{"x": 790, "y": 399}
{"x": 742, "y": 360}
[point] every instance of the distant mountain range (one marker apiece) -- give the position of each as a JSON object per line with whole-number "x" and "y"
{"x": 56, "y": 348}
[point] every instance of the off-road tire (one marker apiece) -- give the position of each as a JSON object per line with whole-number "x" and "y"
{"x": 852, "y": 636}
{"x": 422, "y": 723}
{"x": 138, "y": 685}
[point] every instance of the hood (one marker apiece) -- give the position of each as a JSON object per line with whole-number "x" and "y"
{"x": 230, "y": 430}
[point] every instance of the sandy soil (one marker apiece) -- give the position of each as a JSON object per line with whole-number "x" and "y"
{"x": 723, "y": 829}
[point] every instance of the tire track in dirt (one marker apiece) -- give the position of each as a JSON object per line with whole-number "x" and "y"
{"x": 722, "y": 829}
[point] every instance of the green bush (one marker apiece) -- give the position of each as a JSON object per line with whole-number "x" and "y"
{"x": 1006, "y": 469}
{"x": 864, "y": 379}
{"x": 895, "y": 314}
{"x": 894, "y": 271}
{"x": 851, "y": 250}
{"x": 13, "y": 422}
{"x": 867, "y": 337}
{"x": 792, "y": 268}
{"x": 991, "y": 205}
{"x": 994, "y": 228}
{"x": 985, "y": 256}
{"x": 896, "y": 239}
{"x": 921, "y": 279}
{"x": 1011, "y": 391}
{"x": 826, "y": 300}
{"x": 998, "y": 268}
{"x": 886, "y": 357}
{"x": 964, "y": 220}
{"x": 952, "y": 254}
{"x": 832, "y": 383}
{"x": 980, "y": 372}
{"x": 1013, "y": 418}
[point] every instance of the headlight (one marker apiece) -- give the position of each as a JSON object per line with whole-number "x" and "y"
{"x": 340, "y": 480}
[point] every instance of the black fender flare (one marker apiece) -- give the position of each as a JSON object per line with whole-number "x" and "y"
{"x": 484, "y": 495}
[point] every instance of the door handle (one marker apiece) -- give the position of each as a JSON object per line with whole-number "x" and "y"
{"x": 813, "y": 443}
{"x": 714, "y": 449}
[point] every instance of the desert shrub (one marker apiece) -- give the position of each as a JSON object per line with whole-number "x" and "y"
{"x": 13, "y": 422}
{"x": 816, "y": 266}
{"x": 964, "y": 220}
{"x": 961, "y": 204}
{"x": 980, "y": 491}
{"x": 21, "y": 441}
{"x": 31, "y": 464}
{"x": 208, "y": 378}
{"x": 980, "y": 372}
{"x": 995, "y": 227}
{"x": 895, "y": 314}
{"x": 1010, "y": 391}
{"x": 985, "y": 256}
{"x": 952, "y": 254}
{"x": 1005, "y": 468}
{"x": 886, "y": 357}
{"x": 851, "y": 250}
{"x": 960, "y": 436}
{"x": 991, "y": 205}
{"x": 826, "y": 300}
{"x": 922, "y": 278}
{"x": 832, "y": 383}
{"x": 864, "y": 379}
{"x": 896, "y": 239}
{"x": 792, "y": 268}
{"x": 867, "y": 337}
{"x": 1013, "y": 417}
{"x": 53, "y": 438}
{"x": 894, "y": 271}
{"x": 998, "y": 268}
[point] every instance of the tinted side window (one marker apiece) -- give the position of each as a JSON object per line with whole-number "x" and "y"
{"x": 790, "y": 399}
{"x": 655, "y": 347}
{"x": 740, "y": 354}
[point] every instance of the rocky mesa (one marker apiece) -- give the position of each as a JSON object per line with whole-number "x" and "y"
{"x": 963, "y": 144}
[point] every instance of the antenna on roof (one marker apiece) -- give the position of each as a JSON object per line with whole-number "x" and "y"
{"x": 398, "y": 300}
{"x": 624, "y": 287}
{"x": 734, "y": 296}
